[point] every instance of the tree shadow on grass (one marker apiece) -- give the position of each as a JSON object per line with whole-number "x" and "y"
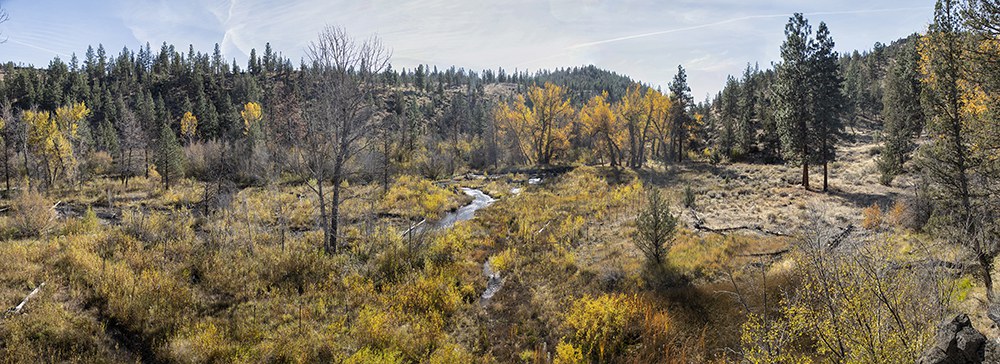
{"x": 862, "y": 200}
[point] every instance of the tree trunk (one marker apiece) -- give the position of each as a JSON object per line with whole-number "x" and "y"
{"x": 825, "y": 176}
{"x": 322, "y": 215}
{"x": 335, "y": 214}
{"x": 805, "y": 175}
{"x": 986, "y": 267}
{"x": 27, "y": 172}
{"x": 6, "y": 165}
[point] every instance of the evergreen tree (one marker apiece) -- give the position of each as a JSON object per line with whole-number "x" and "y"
{"x": 746, "y": 123}
{"x": 680, "y": 101}
{"x": 827, "y": 100}
{"x": 169, "y": 162}
{"x": 792, "y": 97}
{"x": 728, "y": 111}
{"x": 902, "y": 114}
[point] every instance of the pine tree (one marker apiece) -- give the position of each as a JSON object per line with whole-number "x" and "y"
{"x": 170, "y": 157}
{"x": 728, "y": 114}
{"x": 902, "y": 114}
{"x": 792, "y": 110}
{"x": 680, "y": 101}
{"x": 950, "y": 161}
{"x": 746, "y": 123}
{"x": 827, "y": 99}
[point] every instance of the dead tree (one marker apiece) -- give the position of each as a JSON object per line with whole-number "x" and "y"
{"x": 341, "y": 96}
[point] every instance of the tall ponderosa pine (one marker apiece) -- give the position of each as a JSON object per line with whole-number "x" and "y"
{"x": 746, "y": 122}
{"x": 827, "y": 99}
{"x": 809, "y": 97}
{"x": 680, "y": 101}
{"x": 792, "y": 101}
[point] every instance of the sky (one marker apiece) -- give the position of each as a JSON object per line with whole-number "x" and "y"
{"x": 643, "y": 39}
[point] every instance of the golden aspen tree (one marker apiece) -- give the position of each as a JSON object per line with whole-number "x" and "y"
{"x": 252, "y": 117}
{"x": 50, "y": 138}
{"x": 539, "y": 124}
{"x": 189, "y": 125}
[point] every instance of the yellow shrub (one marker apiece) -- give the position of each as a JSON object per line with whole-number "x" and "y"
{"x": 412, "y": 196}
{"x": 504, "y": 260}
{"x": 31, "y": 215}
{"x": 159, "y": 227}
{"x": 368, "y": 355}
{"x": 897, "y": 215}
{"x": 605, "y": 326}
{"x": 566, "y": 353}
{"x": 203, "y": 343}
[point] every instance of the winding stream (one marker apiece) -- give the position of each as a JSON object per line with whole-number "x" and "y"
{"x": 479, "y": 200}
{"x": 467, "y": 212}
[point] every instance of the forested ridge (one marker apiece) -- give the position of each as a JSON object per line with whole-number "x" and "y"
{"x": 834, "y": 206}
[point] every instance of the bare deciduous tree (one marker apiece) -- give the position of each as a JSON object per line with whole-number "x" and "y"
{"x": 133, "y": 140}
{"x": 340, "y": 111}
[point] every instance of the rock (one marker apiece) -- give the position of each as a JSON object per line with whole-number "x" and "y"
{"x": 956, "y": 342}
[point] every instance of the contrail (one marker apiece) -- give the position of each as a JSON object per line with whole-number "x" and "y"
{"x": 43, "y": 49}
{"x": 739, "y": 19}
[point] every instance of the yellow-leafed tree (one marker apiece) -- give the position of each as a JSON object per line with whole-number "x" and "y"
{"x": 658, "y": 115}
{"x": 189, "y": 125}
{"x": 539, "y": 124}
{"x": 50, "y": 139}
{"x": 252, "y": 116}
{"x": 601, "y": 123}
{"x": 634, "y": 113}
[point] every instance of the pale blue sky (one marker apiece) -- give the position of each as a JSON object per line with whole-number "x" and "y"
{"x": 644, "y": 39}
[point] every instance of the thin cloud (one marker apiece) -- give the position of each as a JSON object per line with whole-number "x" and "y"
{"x": 738, "y": 19}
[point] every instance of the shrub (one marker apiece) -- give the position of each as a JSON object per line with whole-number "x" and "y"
{"x": 85, "y": 224}
{"x": 368, "y": 355}
{"x": 96, "y": 164}
{"x": 158, "y": 227}
{"x": 872, "y": 217}
{"x": 412, "y": 196}
{"x": 605, "y": 326}
{"x": 689, "y": 196}
{"x": 566, "y": 353}
{"x": 31, "y": 215}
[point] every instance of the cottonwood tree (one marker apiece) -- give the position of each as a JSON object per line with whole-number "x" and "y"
{"x": 3, "y": 19}
{"x": 6, "y": 126}
{"x": 537, "y": 125}
{"x": 632, "y": 110}
{"x": 602, "y": 124}
{"x": 340, "y": 111}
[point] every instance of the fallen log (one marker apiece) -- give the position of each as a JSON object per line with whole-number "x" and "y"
{"x": 17, "y": 309}
{"x": 837, "y": 240}
{"x": 766, "y": 254}
{"x": 699, "y": 224}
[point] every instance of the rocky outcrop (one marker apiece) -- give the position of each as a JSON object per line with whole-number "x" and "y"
{"x": 956, "y": 342}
